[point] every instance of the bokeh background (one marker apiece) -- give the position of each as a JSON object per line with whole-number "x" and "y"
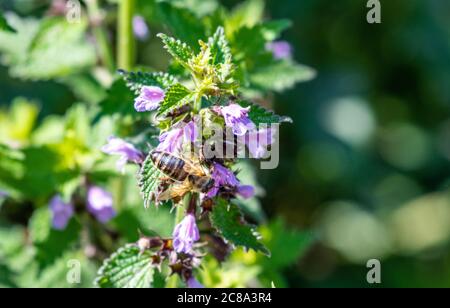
{"x": 365, "y": 167}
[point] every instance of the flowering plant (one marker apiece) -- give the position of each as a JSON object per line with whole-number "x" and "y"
{"x": 203, "y": 194}
{"x": 185, "y": 133}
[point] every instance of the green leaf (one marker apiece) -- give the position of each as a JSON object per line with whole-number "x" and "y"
{"x": 227, "y": 219}
{"x": 4, "y": 25}
{"x": 51, "y": 244}
{"x": 127, "y": 268}
{"x": 179, "y": 50}
{"x": 182, "y": 23}
{"x": 219, "y": 46}
{"x": 135, "y": 81}
{"x": 260, "y": 115}
{"x": 198, "y": 7}
{"x": 281, "y": 75}
{"x": 247, "y": 14}
{"x": 149, "y": 179}
{"x": 273, "y": 29}
{"x": 287, "y": 245}
{"x": 58, "y": 49}
{"x": 119, "y": 100}
{"x": 175, "y": 97}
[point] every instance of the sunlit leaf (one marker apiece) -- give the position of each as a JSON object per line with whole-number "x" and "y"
{"x": 127, "y": 268}
{"x": 179, "y": 50}
{"x": 260, "y": 115}
{"x": 227, "y": 219}
{"x": 281, "y": 75}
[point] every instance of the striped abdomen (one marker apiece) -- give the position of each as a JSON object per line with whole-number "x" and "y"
{"x": 170, "y": 165}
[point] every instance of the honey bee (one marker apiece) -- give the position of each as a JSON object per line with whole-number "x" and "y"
{"x": 187, "y": 175}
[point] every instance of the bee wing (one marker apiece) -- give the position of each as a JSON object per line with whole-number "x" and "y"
{"x": 177, "y": 190}
{"x": 193, "y": 169}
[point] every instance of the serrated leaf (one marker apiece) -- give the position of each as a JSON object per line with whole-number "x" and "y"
{"x": 4, "y": 25}
{"x": 281, "y": 75}
{"x": 260, "y": 115}
{"x": 221, "y": 56}
{"x": 149, "y": 179}
{"x": 227, "y": 219}
{"x": 179, "y": 50}
{"x": 176, "y": 96}
{"x": 127, "y": 268}
{"x": 135, "y": 81}
{"x": 219, "y": 46}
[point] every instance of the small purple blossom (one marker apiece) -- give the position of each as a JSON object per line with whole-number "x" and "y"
{"x": 127, "y": 152}
{"x": 245, "y": 191}
{"x": 280, "y": 49}
{"x": 100, "y": 204}
{"x": 237, "y": 118}
{"x": 194, "y": 284}
{"x": 257, "y": 141}
{"x": 3, "y": 194}
{"x": 149, "y": 99}
{"x": 140, "y": 28}
{"x": 225, "y": 177}
{"x": 61, "y": 213}
{"x": 172, "y": 141}
{"x": 185, "y": 234}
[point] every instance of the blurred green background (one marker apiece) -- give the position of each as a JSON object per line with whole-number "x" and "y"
{"x": 365, "y": 165}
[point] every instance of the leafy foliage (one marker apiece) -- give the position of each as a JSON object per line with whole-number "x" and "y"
{"x": 260, "y": 115}
{"x": 50, "y": 244}
{"x": 49, "y": 49}
{"x": 127, "y": 268}
{"x": 227, "y": 219}
{"x": 175, "y": 97}
{"x": 4, "y": 25}
{"x": 281, "y": 75}
{"x": 135, "y": 81}
{"x": 149, "y": 177}
{"x": 179, "y": 50}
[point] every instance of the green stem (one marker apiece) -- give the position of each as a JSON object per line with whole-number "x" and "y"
{"x": 105, "y": 52}
{"x": 126, "y": 41}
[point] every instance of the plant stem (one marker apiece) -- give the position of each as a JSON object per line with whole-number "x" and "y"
{"x": 126, "y": 41}
{"x": 95, "y": 16}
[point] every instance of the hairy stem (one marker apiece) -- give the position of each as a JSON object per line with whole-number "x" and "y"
{"x": 126, "y": 42}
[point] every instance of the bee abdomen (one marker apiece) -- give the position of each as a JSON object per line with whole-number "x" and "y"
{"x": 170, "y": 165}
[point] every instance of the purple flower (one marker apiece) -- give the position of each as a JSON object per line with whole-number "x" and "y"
{"x": 149, "y": 99}
{"x": 237, "y": 118}
{"x": 61, "y": 213}
{"x": 245, "y": 191}
{"x": 140, "y": 28}
{"x": 185, "y": 234}
{"x": 258, "y": 141}
{"x": 280, "y": 49}
{"x": 194, "y": 284}
{"x": 100, "y": 204}
{"x": 3, "y": 194}
{"x": 225, "y": 177}
{"x": 127, "y": 152}
{"x": 172, "y": 141}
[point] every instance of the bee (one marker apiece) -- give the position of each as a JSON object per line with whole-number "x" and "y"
{"x": 187, "y": 175}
